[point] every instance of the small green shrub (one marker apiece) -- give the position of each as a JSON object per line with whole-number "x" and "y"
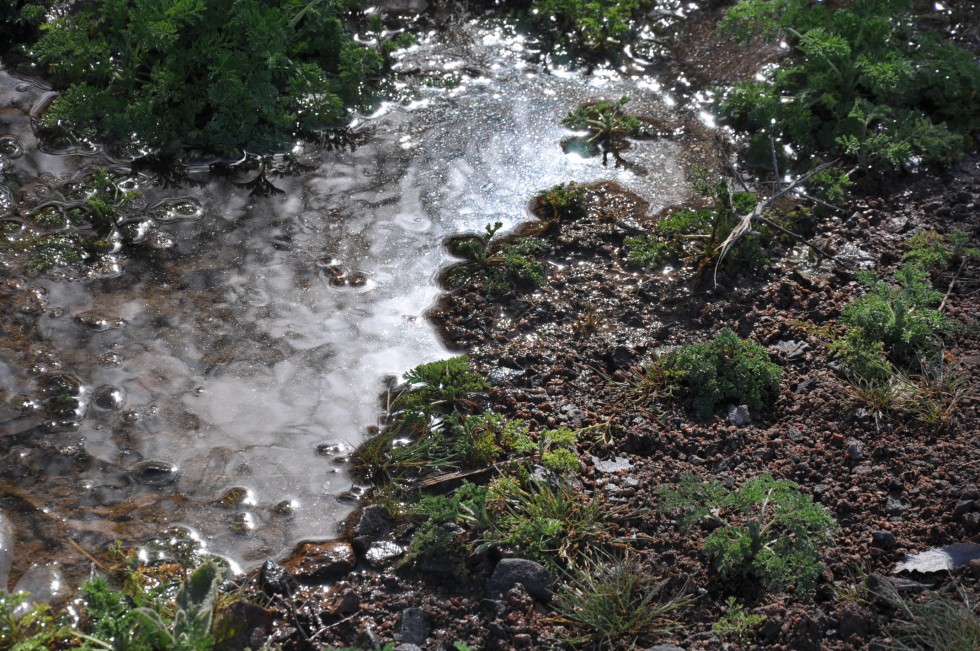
{"x": 774, "y": 533}
{"x": 594, "y": 28}
{"x": 736, "y": 624}
{"x": 725, "y": 369}
{"x": 900, "y": 320}
{"x": 502, "y": 268}
{"x": 209, "y": 77}
{"x": 559, "y": 203}
{"x": 433, "y": 539}
{"x": 615, "y": 603}
{"x": 482, "y": 439}
{"x": 559, "y": 450}
{"x": 27, "y": 627}
{"x": 932, "y": 251}
{"x": 443, "y": 386}
{"x": 864, "y": 83}
{"x": 606, "y": 120}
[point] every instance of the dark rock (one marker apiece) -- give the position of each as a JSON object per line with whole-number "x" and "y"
{"x": 770, "y": 630}
{"x": 621, "y": 357}
{"x": 855, "y": 621}
{"x": 347, "y": 604}
{"x": 366, "y": 526}
{"x": 807, "y": 633}
{"x": 963, "y": 507}
{"x": 665, "y": 647}
{"x": 855, "y": 450}
{"x": 318, "y": 562}
{"x": 415, "y": 627}
{"x": 242, "y": 625}
{"x": 502, "y": 374}
{"x": 275, "y": 579}
{"x": 109, "y": 397}
{"x": 795, "y": 435}
{"x": 408, "y": 647}
{"x": 513, "y": 571}
{"x": 806, "y": 385}
{"x": 894, "y": 506}
{"x": 883, "y": 540}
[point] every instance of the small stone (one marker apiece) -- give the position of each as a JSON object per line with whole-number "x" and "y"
{"x": 348, "y": 604}
{"x": 408, "y": 647}
{"x": 366, "y": 526}
{"x": 795, "y": 435}
{"x": 894, "y": 506}
{"x": 318, "y": 562}
{"x": 855, "y": 449}
{"x": 883, "y": 540}
{"x": 963, "y": 507}
{"x": 739, "y": 415}
{"x": 513, "y": 571}
{"x": 383, "y": 550}
{"x": 806, "y": 385}
{"x": 854, "y": 621}
{"x": 666, "y": 647}
{"x": 415, "y": 627}
{"x": 110, "y": 397}
{"x": 275, "y": 579}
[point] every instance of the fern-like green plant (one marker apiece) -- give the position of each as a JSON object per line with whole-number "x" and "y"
{"x": 766, "y": 530}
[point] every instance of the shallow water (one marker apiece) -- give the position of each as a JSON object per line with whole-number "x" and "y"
{"x": 228, "y": 362}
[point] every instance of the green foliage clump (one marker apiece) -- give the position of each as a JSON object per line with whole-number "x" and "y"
{"x": 773, "y": 534}
{"x": 735, "y": 623}
{"x": 482, "y": 439}
{"x": 204, "y": 77}
{"x": 559, "y": 454}
{"x": 934, "y": 251}
{"x": 605, "y": 120}
{"x": 893, "y": 324}
{"x": 502, "y": 267}
{"x": 443, "y": 386}
{"x": 552, "y": 524}
{"x": 699, "y": 233}
{"x": 864, "y": 83}
{"x": 26, "y": 626}
{"x": 440, "y": 516}
{"x": 559, "y": 203}
{"x": 725, "y": 369}
{"x": 148, "y": 620}
{"x": 594, "y": 28}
